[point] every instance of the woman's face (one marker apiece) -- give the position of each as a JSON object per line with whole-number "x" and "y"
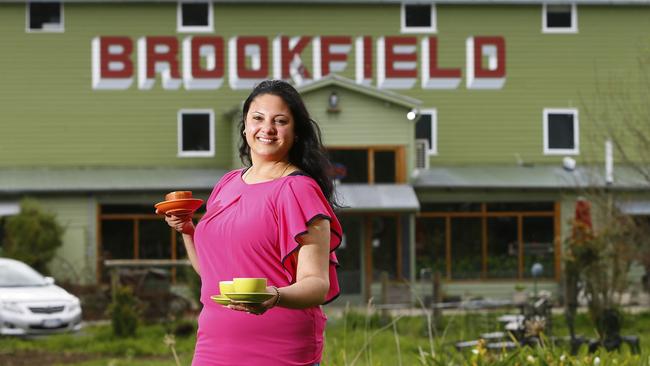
{"x": 269, "y": 128}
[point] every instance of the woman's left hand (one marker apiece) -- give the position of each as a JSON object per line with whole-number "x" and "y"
{"x": 255, "y": 309}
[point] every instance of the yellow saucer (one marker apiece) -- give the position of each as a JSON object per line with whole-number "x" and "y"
{"x": 249, "y": 297}
{"x": 220, "y": 299}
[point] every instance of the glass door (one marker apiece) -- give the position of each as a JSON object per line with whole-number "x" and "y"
{"x": 349, "y": 255}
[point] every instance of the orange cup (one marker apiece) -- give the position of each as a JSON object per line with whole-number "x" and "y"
{"x": 176, "y": 195}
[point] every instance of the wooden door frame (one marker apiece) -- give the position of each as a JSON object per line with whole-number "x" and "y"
{"x": 400, "y": 159}
{"x": 367, "y": 247}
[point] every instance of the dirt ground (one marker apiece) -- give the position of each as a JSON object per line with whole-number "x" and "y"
{"x": 37, "y": 358}
{"x": 33, "y": 358}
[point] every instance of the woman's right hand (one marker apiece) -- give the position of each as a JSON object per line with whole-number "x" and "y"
{"x": 183, "y": 223}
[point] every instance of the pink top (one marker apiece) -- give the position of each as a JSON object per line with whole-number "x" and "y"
{"x": 250, "y": 230}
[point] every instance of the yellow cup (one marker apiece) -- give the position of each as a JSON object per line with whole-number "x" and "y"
{"x": 226, "y": 287}
{"x": 248, "y": 285}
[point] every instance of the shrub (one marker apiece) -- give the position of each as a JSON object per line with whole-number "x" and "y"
{"x": 32, "y": 236}
{"x": 124, "y": 312}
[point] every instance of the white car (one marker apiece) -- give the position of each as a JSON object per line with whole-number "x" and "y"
{"x": 33, "y": 304}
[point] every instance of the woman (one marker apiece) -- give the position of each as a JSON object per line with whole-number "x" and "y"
{"x": 273, "y": 219}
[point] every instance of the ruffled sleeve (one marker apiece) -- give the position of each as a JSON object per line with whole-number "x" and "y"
{"x": 300, "y": 202}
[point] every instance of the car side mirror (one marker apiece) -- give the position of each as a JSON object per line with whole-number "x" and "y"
{"x": 49, "y": 280}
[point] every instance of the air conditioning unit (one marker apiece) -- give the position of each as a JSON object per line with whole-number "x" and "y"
{"x": 421, "y": 154}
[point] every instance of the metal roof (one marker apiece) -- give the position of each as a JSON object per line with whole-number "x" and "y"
{"x": 354, "y": 197}
{"x": 59, "y": 180}
{"x": 526, "y": 177}
{"x": 641, "y": 208}
{"x": 377, "y": 197}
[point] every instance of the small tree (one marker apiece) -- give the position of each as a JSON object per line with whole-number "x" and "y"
{"x": 124, "y": 312}
{"x": 32, "y": 236}
{"x": 600, "y": 258}
{"x": 620, "y": 113}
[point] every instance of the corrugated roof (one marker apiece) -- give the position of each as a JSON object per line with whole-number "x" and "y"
{"x": 40, "y": 180}
{"x": 377, "y": 197}
{"x": 526, "y": 177}
{"x": 357, "y": 196}
{"x": 641, "y": 208}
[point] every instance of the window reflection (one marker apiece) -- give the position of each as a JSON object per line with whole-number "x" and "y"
{"x": 494, "y": 240}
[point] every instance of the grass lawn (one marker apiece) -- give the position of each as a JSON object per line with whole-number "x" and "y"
{"x": 361, "y": 340}
{"x": 355, "y": 339}
{"x": 96, "y": 345}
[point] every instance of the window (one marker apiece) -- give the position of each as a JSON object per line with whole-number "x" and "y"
{"x": 430, "y": 246}
{"x": 561, "y": 132}
{"x": 418, "y": 18}
{"x": 385, "y": 243}
{"x": 537, "y": 245}
{"x": 196, "y": 133}
{"x": 194, "y": 17}
{"x": 498, "y": 240}
{"x": 367, "y": 165}
{"x": 349, "y": 254}
{"x": 133, "y": 231}
{"x": 559, "y": 18}
{"x": 426, "y": 128}
{"x": 45, "y": 17}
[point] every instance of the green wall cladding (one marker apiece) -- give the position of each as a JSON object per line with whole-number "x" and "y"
{"x": 75, "y": 259}
{"x": 356, "y": 124}
{"x": 50, "y": 115}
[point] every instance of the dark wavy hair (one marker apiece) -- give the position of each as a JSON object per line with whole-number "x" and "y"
{"x": 307, "y": 152}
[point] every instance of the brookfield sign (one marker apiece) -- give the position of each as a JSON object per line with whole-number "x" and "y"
{"x": 202, "y": 64}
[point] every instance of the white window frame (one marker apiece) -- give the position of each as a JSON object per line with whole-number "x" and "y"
{"x": 434, "y": 21}
{"x": 574, "y": 20}
{"x": 180, "y": 28}
{"x": 59, "y": 29}
{"x": 576, "y": 132}
{"x": 195, "y": 154}
{"x": 433, "y": 149}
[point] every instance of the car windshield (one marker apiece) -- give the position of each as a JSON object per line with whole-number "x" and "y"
{"x": 15, "y": 274}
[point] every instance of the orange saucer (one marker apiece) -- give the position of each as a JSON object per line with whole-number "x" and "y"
{"x": 182, "y": 206}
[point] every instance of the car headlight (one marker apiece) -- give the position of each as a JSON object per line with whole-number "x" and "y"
{"x": 74, "y": 306}
{"x": 12, "y": 307}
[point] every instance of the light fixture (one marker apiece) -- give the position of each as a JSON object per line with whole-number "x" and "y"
{"x": 569, "y": 163}
{"x": 536, "y": 270}
{"x": 333, "y": 102}
{"x": 412, "y": 114}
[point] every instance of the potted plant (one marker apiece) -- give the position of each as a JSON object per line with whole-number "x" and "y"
{"x": 520, "y": 295}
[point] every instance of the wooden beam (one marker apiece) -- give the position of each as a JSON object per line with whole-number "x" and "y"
{"x": 368, "y": 256}
{"x": 448, "y": 245}
{"x": 557, "y": 228}
{"x": 99, "y": 252}
{"x": 399, "y": 246}
{"x": 484, "y": 242}
{"x": 520, "y": 240}
{"x": 136, "y": 238}
{"x": 111, "y": 263}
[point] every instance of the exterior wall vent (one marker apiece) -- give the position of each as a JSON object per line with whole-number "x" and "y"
{"x": 421, "y": 154}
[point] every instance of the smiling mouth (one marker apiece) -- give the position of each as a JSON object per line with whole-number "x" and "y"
{"x": 265, "y": 140}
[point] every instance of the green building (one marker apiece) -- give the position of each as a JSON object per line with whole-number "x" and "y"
{"x": 462, "y": 131}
